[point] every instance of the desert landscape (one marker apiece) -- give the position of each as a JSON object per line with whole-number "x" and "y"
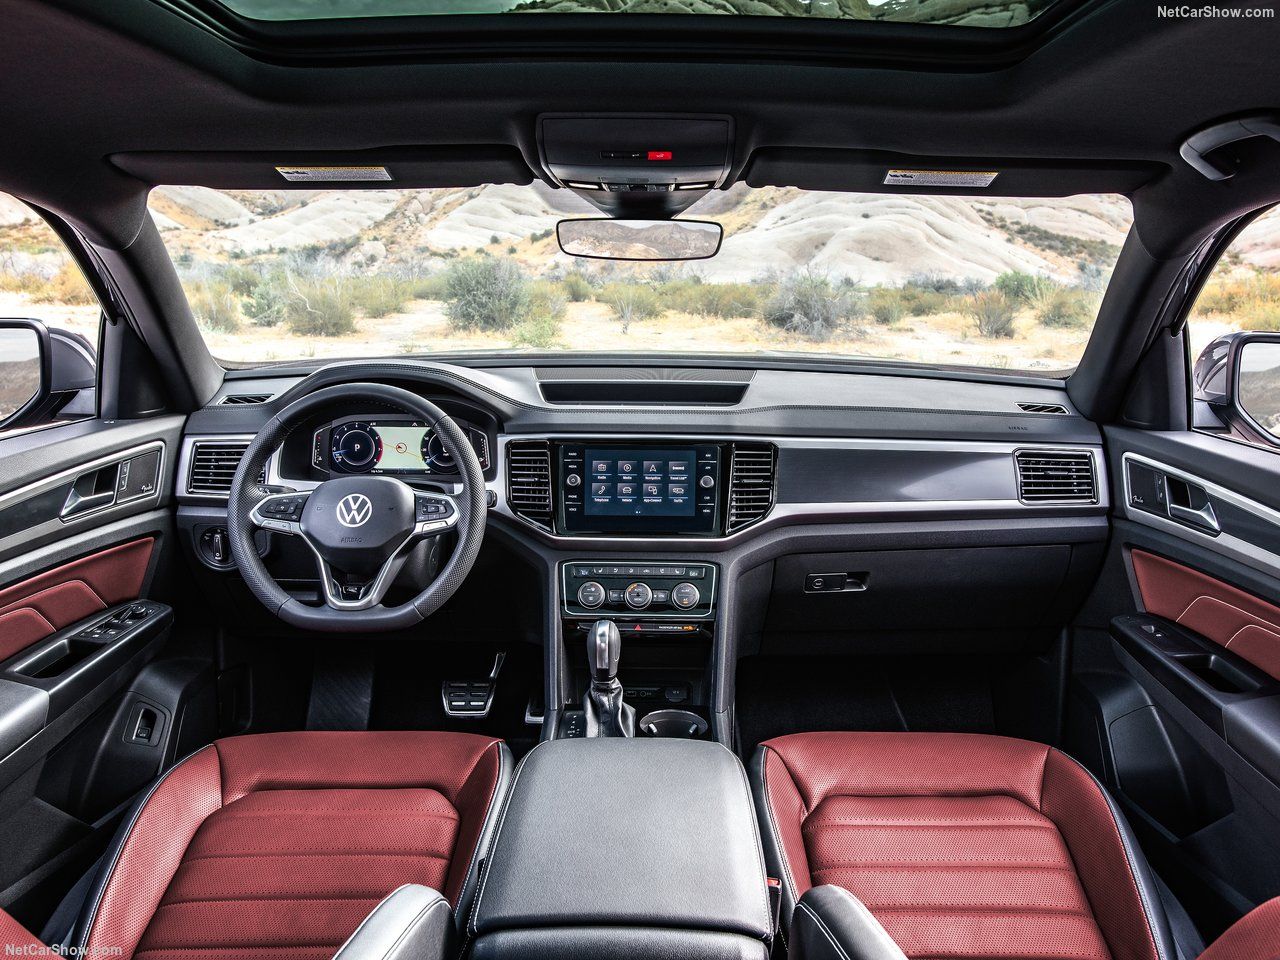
{"x": 298, "y": 274}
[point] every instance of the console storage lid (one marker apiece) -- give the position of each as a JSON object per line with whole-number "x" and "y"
{"x": 624, "y": 834}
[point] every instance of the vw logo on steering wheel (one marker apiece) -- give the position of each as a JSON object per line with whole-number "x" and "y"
{"x": 354, "y": 510}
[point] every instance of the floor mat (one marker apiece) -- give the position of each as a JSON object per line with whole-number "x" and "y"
{"x": 781, "y": 695}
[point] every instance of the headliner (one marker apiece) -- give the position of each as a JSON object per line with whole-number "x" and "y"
{"x": 116, "y": 97}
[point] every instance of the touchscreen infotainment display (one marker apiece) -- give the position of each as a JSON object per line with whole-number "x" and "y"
{"x": 639, "y": 483}
{"x": 617, "y": 488}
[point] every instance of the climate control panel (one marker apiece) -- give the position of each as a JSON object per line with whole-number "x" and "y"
{"x": 648, "y": 589}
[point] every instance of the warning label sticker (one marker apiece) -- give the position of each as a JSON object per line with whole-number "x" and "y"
{"x": 940, "y": 178}
{"x": 333, "y": 174}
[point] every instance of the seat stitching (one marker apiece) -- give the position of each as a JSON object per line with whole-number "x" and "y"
{"x": 824, "y": 929}
{"x": 387, "y": 854}
{"x": 301, "y": 898}
{"x": 497, "y": 832}
{"x": 773, "y": 821}
{"x": 278, "y": 814}
{"x": 1129, "y": 860}
{"x": 999, "y": 910}
{"x": 986, "y": 861}
{"x": 930, "y": 865}
{"x": 929, "y": 824}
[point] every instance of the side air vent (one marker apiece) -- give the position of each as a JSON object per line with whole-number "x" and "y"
{"x": 239, "y": 399}
{"x": 213, "y": 466}
{"x": 529, "y": 480}
{"x": 1056, "y": 476}
{"x": 1043, "y": 408}
{"x": 751, "y": 476}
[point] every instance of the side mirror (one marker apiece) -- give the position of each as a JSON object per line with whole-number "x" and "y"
{"x": 1237, "y": 377}
{"x": 26, "y": 357}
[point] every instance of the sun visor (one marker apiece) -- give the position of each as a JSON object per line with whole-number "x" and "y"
{"x": 447, "y": 166}
{"x": 871, "y": 171}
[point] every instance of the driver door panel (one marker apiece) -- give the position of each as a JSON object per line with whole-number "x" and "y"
{"x": 85, "y": 528}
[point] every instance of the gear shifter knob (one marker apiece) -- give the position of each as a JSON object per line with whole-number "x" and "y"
{"x": 604, "y": 649}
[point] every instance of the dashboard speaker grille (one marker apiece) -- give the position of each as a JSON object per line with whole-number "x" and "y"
{"x": 1056, "y": 476}
{"x": 751, "y": 475}
{"x": 213, "y": 466}
{"x": 529, "y": 480}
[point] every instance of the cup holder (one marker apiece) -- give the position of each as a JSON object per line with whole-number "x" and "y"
{"x": 678, "y": 724}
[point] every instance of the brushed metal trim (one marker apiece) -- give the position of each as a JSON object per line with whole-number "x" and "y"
{"x": 37, "y": 487}
{"x": 785, "y": 514}
{"x": 1223, "y": 543}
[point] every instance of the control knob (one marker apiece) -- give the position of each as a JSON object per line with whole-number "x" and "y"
{"x": 573, "y": 480}
{"x": 707, "y": 482}
{"x": 685, "y": 596}
{"x": 639, "y": 596}
{"x": 591, "y": 595}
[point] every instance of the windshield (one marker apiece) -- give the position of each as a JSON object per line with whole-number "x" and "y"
{"x": 290, "y": 275}
{"x": 967, "y": 13}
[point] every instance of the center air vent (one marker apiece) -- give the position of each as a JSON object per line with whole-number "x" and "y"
{"x": 1056, "y": 476}
{"x": 529, "y": 480}
{"x": 236, "y": 399}
{"x": 213, "y": 466}
{"x": 1055, "y": 408}
{"x": 750, "y": 483}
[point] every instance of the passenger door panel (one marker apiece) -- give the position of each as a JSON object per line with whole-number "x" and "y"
{"x": 1175, "y": 691}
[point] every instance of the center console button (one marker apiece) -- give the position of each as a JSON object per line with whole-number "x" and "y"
{"x": 573, "y": 480}
{"x": 639, "y": 596}
{"x": 591, "y": 595}
{"x": 685, "y": 596}
{"x": 661, "y": 596}
{"x": 707, "y": 482}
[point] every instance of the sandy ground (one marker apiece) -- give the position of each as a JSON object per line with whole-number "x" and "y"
{"x": 424, "y": 328}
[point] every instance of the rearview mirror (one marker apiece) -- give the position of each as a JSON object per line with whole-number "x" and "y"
{"x": 607, "y": 239}
{"x": 24, "y": 368}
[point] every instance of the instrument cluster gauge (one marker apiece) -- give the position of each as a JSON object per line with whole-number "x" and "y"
{"x": 435, "y": 455}
{"x": 355, "y": 447}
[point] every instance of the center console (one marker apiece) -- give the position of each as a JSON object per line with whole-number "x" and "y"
{"x": 664, "y": 611}
{"x": 635, "y": 849}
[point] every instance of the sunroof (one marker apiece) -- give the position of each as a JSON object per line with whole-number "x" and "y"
{"x": 966, "y": 13}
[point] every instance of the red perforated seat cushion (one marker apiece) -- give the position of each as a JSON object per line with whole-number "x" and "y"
{"x": 277, "y": 846}
{"x": 962, "y": 846}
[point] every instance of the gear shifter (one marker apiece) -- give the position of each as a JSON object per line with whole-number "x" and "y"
{"x": 607, "y": 715}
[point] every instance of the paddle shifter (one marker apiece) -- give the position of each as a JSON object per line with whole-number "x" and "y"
{"x": 607, "y": 714}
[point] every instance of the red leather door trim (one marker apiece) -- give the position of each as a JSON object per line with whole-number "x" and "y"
{"x": 44, "y": 604}
{"x": 1244, "y": 624}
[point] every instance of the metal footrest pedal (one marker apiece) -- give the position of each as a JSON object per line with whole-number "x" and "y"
{"x": 472, "y": 699}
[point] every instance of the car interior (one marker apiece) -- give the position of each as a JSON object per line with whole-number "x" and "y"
{"x": 640, "y": 480}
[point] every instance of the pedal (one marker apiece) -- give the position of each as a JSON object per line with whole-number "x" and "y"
{"x": 471, "y": 698}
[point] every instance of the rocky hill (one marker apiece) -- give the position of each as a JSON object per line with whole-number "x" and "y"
{"x": 869, "y": 238}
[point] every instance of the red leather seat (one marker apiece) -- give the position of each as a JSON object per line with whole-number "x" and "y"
{"x": 276, "y": 846}
{"x": 960, "y": 845}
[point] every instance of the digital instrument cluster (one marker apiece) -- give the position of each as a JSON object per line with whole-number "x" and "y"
{"x": 389, "y": 445}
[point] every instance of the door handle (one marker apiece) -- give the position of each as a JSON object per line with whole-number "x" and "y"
{"x": 1189, "y": 504}
{"x": 91, "y": 491}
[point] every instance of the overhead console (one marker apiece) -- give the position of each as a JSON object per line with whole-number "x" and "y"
{"x": 652, "y": 487}
{"x": 637, "y": 166}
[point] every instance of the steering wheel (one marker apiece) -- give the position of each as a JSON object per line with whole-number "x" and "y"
{"x": 360, "y": 529}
